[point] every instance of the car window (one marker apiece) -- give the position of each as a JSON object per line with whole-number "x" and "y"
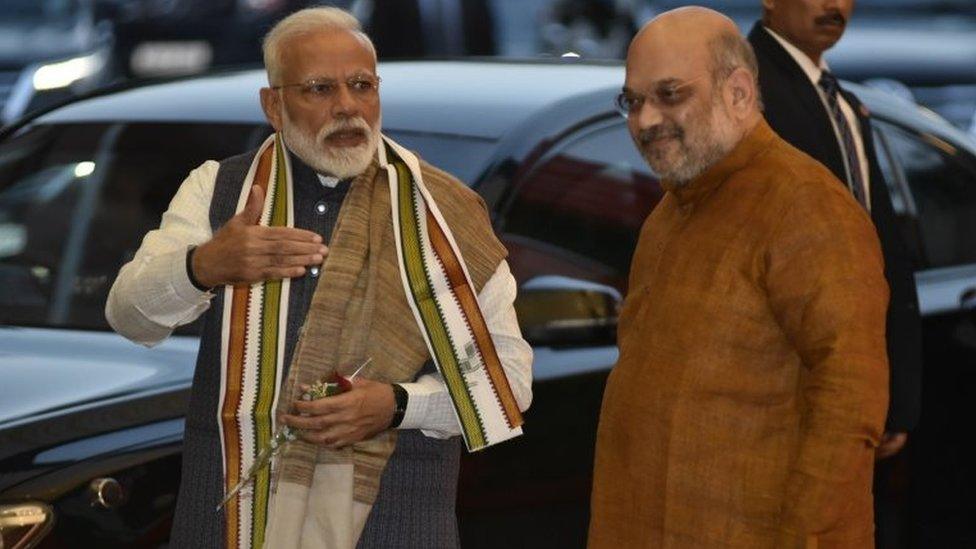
{"x": 942, "y": 181}
{"x": 464, "y": 157}
{"x": 578, "y": 212}
{"x": 902, "y": 203}
{"x": 75, "y": 202}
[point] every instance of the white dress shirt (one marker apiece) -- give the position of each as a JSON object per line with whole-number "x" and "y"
{"x": 813, "y": 72}
{"x": 153, "y": 295}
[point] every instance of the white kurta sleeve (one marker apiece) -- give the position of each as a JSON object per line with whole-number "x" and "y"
{"x": 153, "y": 294}
{"x": 429, "y": 406}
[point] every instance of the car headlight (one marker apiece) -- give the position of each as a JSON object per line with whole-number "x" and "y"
{"x": 24, "y": 525}
{"x": 62, "y": 74}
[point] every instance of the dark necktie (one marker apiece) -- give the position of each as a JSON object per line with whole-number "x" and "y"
{"x": 828, "y": 83}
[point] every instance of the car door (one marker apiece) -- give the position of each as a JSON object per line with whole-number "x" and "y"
{"x": 79, "y": 403}
{"x": 570, "y": 220}
{"x": 935, "y": 182}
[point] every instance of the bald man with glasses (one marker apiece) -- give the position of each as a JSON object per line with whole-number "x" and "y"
{"x": 751, "y": 386}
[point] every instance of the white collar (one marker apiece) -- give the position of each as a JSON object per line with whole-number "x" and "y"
{"x": 328, "y": 180}
{"x": 812, "y": 71}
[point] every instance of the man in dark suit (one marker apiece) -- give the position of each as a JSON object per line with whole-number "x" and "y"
{"x": 805, "y": 105}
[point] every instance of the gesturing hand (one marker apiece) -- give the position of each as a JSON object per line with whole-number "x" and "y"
{"x": 347, "y": 418}
{"x": 242, "y": 252}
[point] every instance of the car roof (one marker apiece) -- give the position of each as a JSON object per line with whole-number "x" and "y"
{"x": 477, "y": 98}
{"x": 482, "y": 98}
{"x": 887, "y": 106}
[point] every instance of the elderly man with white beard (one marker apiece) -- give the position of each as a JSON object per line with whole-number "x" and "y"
{"x": 328, "y": 248}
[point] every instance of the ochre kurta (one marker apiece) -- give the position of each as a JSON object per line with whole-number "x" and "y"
{"x": 752, "y": 383}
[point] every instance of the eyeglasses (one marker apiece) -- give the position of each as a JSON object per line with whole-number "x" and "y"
{"x": 362, "y": 87}
{"x": 667, "y": 94}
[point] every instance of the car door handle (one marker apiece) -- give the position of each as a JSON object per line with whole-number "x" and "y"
{"x": 106, "y": 493}
{"x": 967, "y": 300}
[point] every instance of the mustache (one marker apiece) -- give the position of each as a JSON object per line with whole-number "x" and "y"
{"x": 832, "y": 17}
{"x": 346, "y": 124}
{"x": 660, "y": 131}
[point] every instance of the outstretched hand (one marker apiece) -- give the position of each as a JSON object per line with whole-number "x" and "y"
{"x": 243, "y": 252}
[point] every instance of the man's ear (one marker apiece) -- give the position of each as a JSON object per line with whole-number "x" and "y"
{"x": 740, "y": 90}
{"x": 271, "y": 104}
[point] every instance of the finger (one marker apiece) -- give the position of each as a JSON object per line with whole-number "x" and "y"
{"x": 251, "y": 214}
{"x": 321, "y": 438}
{"x": 310, "y": 423}
{"x": 337, "y": 436}
{"x": 891, "y": 444}
{"x": 287, "y": 247}
{"x": 264, "y": 274}
{"x": 277, "y": 273}
{"x": 288, "y": 261}
{"x": 324, "y": 406}
{"x": 289, "y": 233}
{"x": 317, "y": 438}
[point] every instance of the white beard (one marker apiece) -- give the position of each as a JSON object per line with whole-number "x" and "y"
{"x": 341, "y": 162}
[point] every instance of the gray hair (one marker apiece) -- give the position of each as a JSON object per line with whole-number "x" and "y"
{"x": 730, "y": 51}
{"x": 304, "y": 22}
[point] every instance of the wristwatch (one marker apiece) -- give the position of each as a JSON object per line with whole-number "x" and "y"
{"x": 400, "y": 398}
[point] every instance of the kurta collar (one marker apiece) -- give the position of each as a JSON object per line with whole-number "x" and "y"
{"x": 756, "y": 141}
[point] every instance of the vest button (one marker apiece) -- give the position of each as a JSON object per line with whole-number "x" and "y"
{"x": 313, "y": 272}
{"x": 321, "y": 207}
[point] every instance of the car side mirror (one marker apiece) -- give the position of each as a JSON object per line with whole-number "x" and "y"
{"x": 558, "y": 311}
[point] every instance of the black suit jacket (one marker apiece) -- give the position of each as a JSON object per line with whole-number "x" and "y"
{"x": 794, "y": 110}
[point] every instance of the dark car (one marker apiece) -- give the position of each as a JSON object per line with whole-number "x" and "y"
{"x": 50, "y": 50}
{"x": 181, "y": 37}
{"x": 91, "y": 424}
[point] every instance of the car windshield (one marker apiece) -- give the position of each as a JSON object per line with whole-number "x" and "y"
{"x": 38, "y": 10}
{"x": 75, "y": 202}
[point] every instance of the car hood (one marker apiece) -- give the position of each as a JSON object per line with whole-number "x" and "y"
{"x": 48, "y": 372}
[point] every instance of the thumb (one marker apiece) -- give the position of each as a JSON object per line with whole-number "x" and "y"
{"x": 251, "y": 214}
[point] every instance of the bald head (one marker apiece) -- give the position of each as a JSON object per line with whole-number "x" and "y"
{"x": 698, "y": 38}
{"x": 691, "y": 90}
{"x": 690, "y": 26}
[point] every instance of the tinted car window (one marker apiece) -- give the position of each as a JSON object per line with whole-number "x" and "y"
{"x": 464, "y": 157}
{"x": 578, "y": 213}
{"x": 942, "y": 181}
{"x": 901, "y": 199}
{"x": 75, "y": 202}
